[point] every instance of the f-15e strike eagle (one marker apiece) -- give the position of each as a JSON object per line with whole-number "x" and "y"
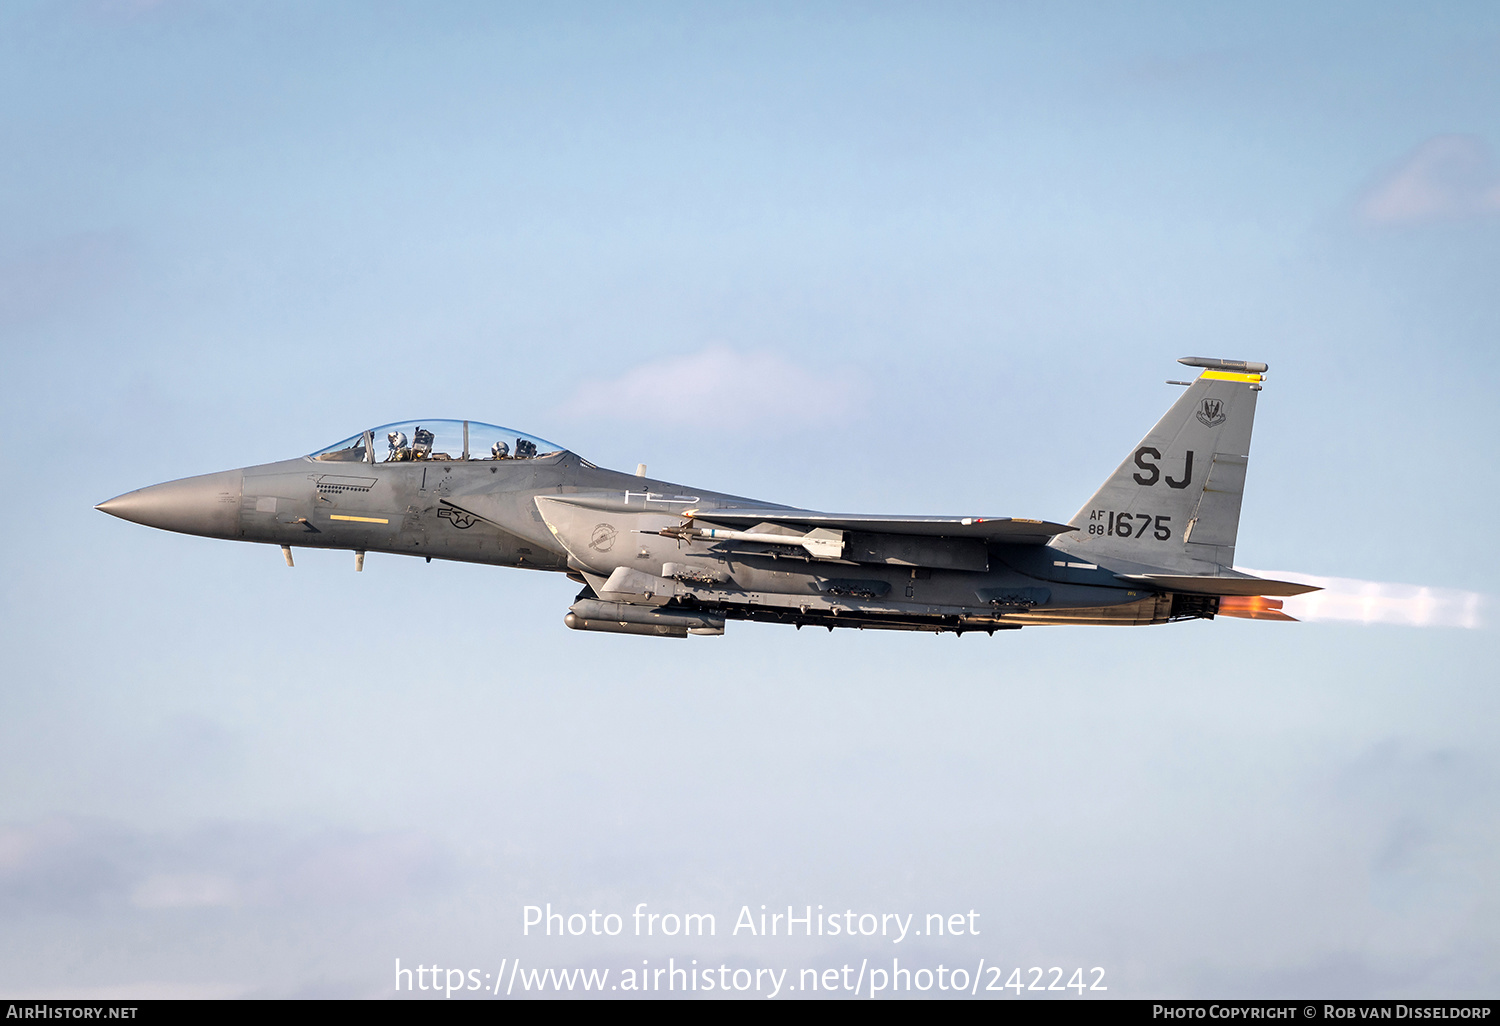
{"x": 1155, "y": 543}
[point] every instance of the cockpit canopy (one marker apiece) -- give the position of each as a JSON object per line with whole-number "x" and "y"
{"x": 437, "y": 441}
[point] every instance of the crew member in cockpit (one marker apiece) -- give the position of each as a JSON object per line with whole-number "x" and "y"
{"x": 397, "y": 441}
{"x": 499, "y": 451}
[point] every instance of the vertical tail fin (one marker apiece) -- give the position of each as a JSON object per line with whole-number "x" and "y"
{"x": 1175, "y": 501}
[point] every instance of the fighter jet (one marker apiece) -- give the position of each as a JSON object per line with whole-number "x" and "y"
{"x": 1154, "y": 545}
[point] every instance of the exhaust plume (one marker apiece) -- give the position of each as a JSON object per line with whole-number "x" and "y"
{"x": 1353, "y": 600}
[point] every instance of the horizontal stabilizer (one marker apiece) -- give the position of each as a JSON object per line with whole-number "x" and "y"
{"x": 1009, "y": 530}
{"x": 1216, "y": 585}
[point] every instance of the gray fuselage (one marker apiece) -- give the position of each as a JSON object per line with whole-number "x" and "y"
{"x": 560, "y": 513}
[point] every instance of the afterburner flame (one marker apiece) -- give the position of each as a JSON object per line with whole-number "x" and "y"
{"x": 1356, "y": 601}
{"x": 1252, "y": 607}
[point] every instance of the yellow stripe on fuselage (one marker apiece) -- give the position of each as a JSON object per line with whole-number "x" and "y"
{"x": 359, "y": 520}
{"x": 1230, "y": 376}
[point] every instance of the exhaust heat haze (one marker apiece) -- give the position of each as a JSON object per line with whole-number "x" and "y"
{"x": 1356, "y": 601}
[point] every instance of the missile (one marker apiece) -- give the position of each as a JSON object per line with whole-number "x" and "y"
{"x": 819, "y": 542}
{"x": 578, "y": 623}
{"x": 629, "y": 618}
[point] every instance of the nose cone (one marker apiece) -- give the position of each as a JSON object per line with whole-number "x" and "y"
{"x": 208, "y": 505}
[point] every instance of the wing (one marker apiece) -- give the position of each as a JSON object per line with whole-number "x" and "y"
{"x": 1239, "y": 584}
{"x": 1010, "y": 530}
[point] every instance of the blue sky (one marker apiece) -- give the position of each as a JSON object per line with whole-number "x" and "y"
{"x": 864, "y": 257}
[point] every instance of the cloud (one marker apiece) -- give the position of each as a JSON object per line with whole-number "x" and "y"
{"x": 1356, "y": 601}
{"x": 148, "y": 990}
{"x": 64, "y": 864}
{"x": 61, "y": 864}
{"x": 722, "y": 388}
{"x": 1446, "y": 178}
{"x": 186, "y": 890}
